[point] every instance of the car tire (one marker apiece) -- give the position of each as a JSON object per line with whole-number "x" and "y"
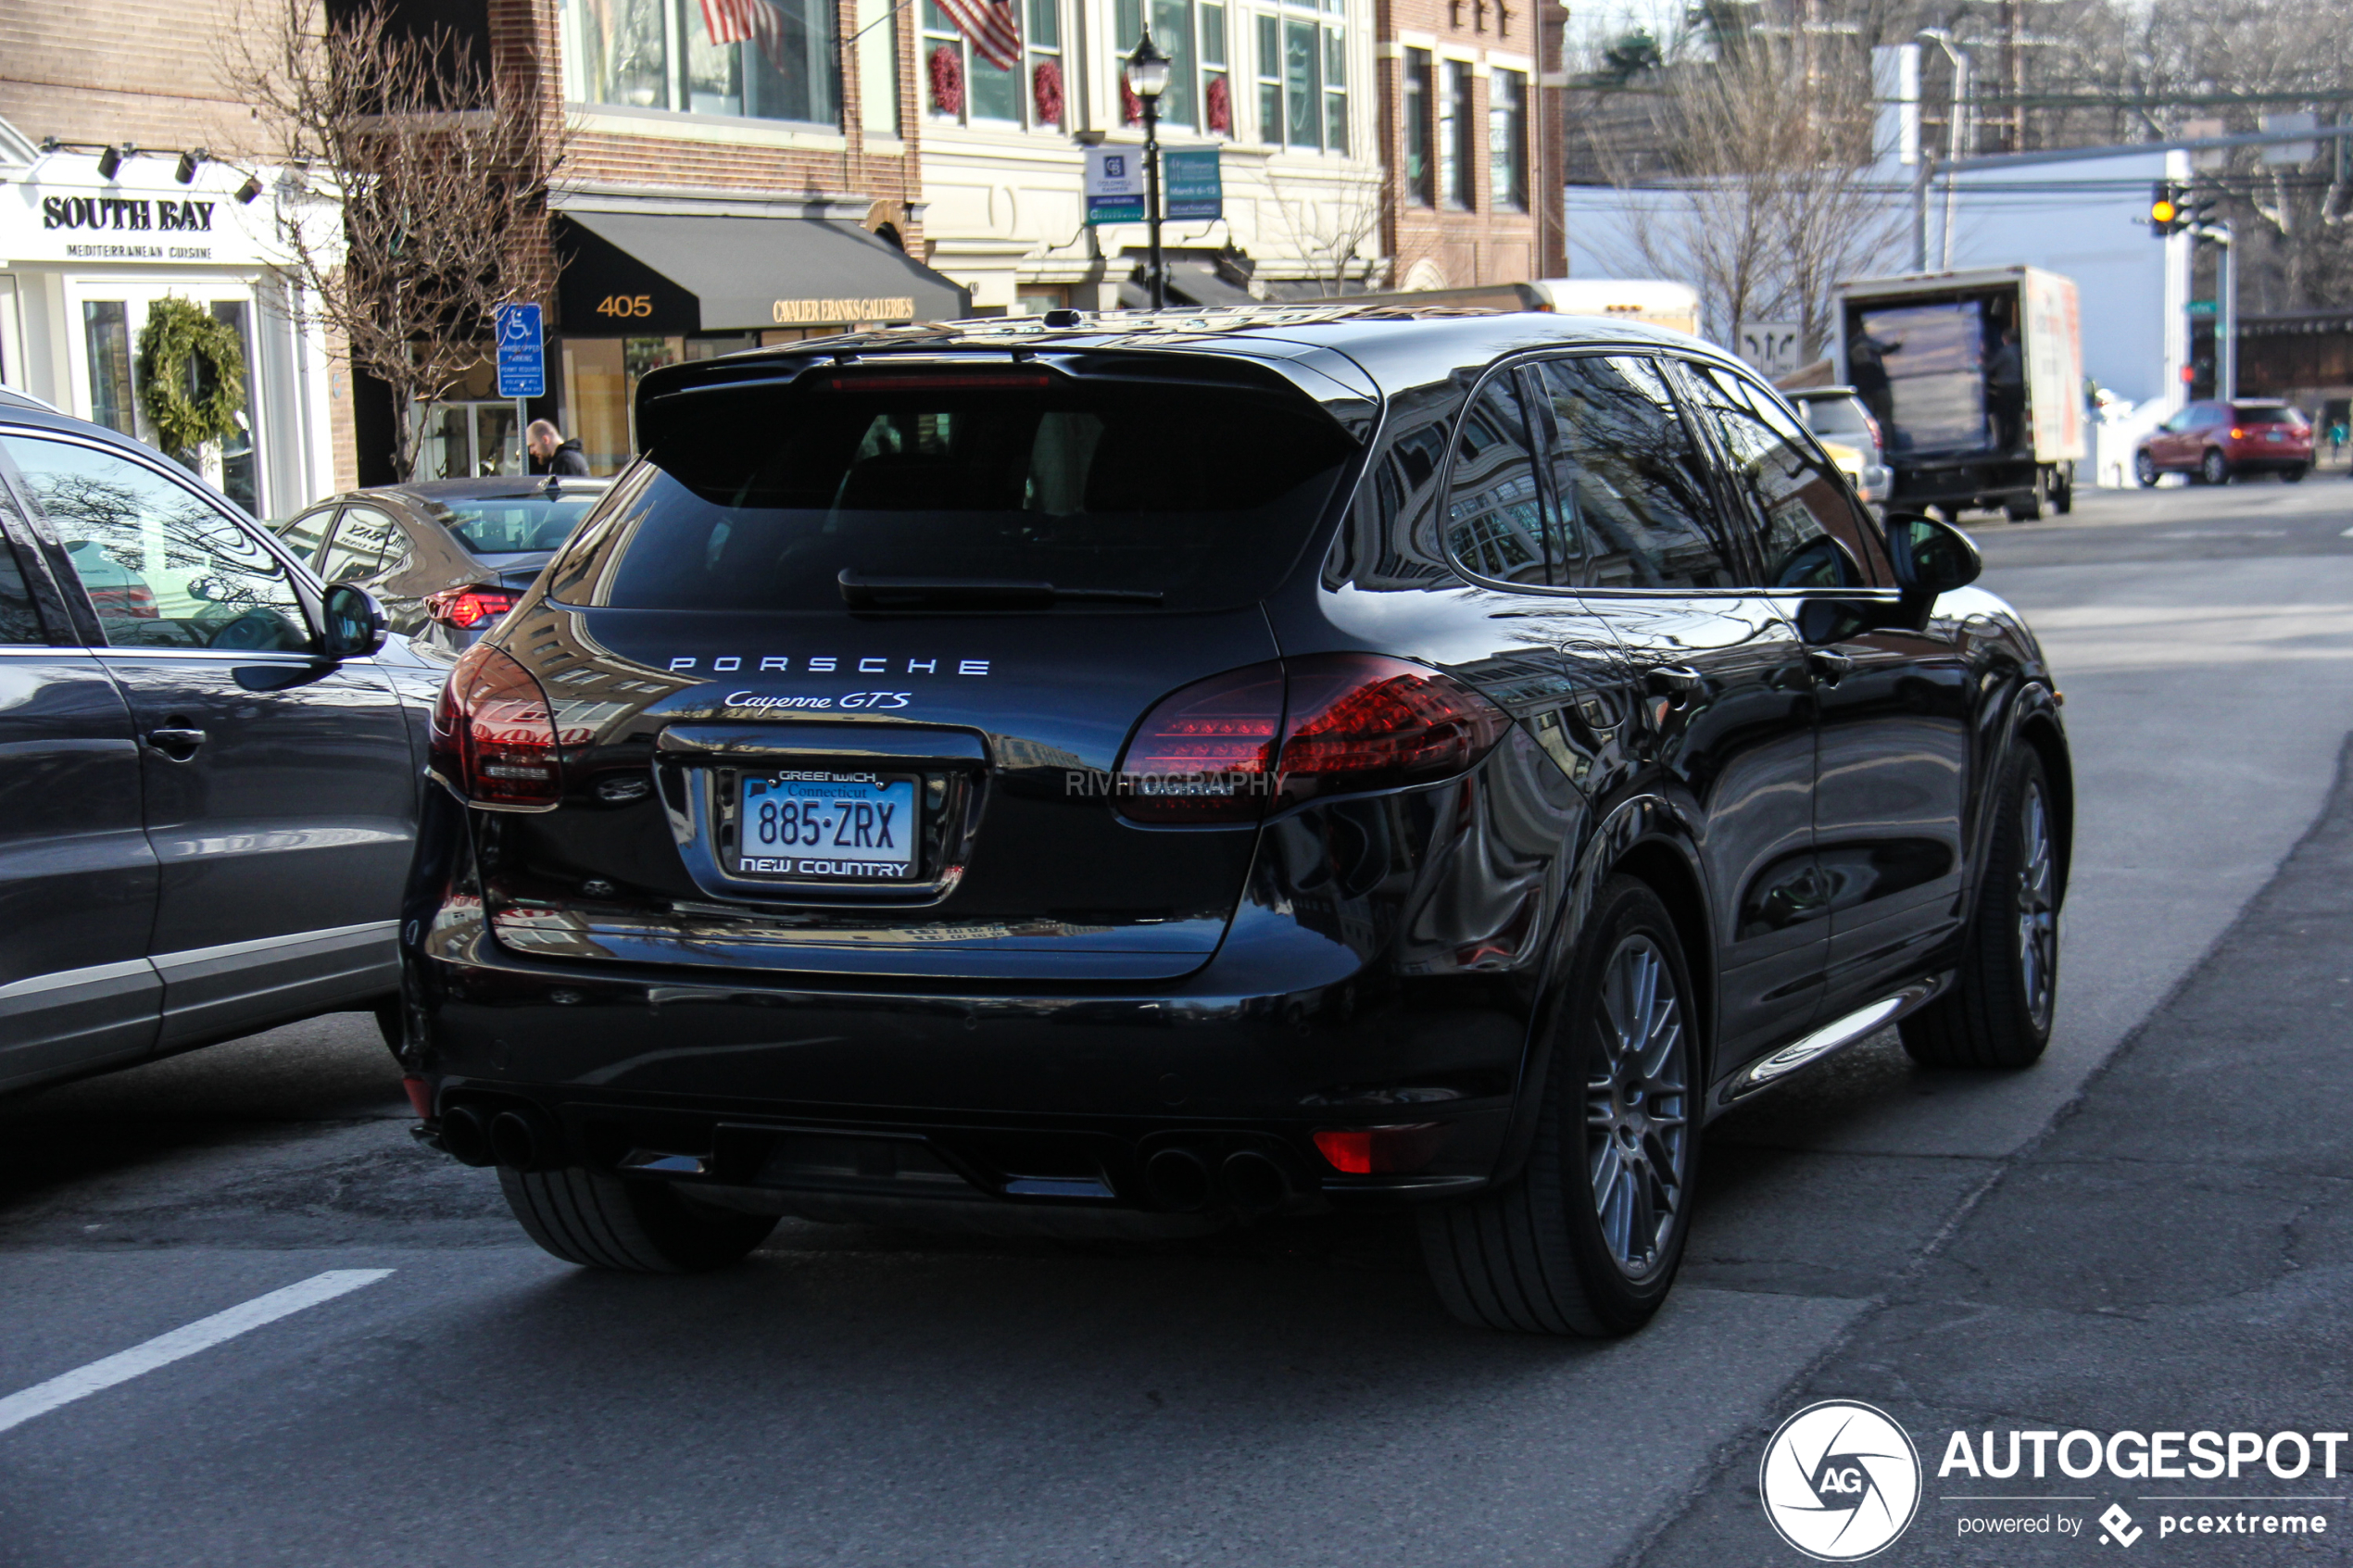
{"x": 2293, "y": 476}
{"x": 1545, "y": 1253}
{"x": 601, "y": 1222}
{"x": 2214, "y": 468}
{"x": 2062, "y": 493}
{"x": 2027, "y": 507}
{"x": 2144, "y": 470}
{"x": 1997, "y": 1012}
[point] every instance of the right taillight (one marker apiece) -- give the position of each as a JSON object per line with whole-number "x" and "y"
{"x": 1348, "y": 722}
{"x": 494, "y": 734}
{"x": 467, "y": 607}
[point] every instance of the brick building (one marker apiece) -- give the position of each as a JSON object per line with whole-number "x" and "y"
{"x": 714, "y": 196}
{"x": 101, "y": 217}
{"x": 1470, "y": 133}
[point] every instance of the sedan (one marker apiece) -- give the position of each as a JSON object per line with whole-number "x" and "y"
{"x": 445, "y": 557}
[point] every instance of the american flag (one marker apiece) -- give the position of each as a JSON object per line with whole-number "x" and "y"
{"x": 749, "y": 22}
{"x": 992, "y": 26}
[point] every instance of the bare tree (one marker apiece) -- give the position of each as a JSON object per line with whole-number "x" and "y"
{"x": 438, "y": 170}
{"x": 1754, "y": 183}
{"x": 1327, "y": 225}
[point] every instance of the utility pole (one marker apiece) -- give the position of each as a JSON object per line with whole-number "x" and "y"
{"x": 2226, "y": 319}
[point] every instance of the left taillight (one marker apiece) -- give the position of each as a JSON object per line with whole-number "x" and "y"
{"x": 494, "y": 734}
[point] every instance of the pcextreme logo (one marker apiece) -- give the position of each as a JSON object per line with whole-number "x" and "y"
{"x": 1840, "y": 1480}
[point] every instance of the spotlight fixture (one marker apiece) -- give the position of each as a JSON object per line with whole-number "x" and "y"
{"x": 250, "y": 189}
{"x": 187, "y": 172}
{"x": 111, "y": 161}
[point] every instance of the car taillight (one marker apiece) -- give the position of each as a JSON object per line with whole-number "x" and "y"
{"x": 1360, "y": 721}
{"x": 1348, "y": 722}
{"x": 469, "y": 608}
{"x": 1380, "y": 1151}
{"x": 1206, "y": 754}
{"x": 494, "y": 734}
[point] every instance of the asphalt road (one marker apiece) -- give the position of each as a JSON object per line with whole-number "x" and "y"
{"x": 2072, "y": 1245}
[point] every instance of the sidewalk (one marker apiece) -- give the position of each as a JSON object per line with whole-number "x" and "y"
{"x": 2176, "y": 1253}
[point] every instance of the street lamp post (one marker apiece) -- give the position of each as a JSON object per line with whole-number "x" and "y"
{"x": 1148, "y": 74}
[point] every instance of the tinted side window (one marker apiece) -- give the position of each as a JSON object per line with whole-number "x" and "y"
{"x": 1627, "y": 478}
{"x": 162, "y": 566}
{"x": 367, "y": 541}
{"x": 1785, "y": 485}
{"x": 303, "y": 534}
{"x": 20, "y": 621}
{"x": 1495, "y": 517}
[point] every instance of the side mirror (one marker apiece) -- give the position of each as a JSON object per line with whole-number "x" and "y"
{"x": 355, "y": 624}
{"x": 1931, "y": 557}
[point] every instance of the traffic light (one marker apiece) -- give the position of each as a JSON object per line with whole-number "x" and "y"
{"x": 2169, "y": 209}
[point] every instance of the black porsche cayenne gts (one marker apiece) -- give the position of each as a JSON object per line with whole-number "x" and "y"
{"x": 1136, "y": 774}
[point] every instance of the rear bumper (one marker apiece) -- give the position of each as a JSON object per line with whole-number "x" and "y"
{"x": 967, "y": 1100}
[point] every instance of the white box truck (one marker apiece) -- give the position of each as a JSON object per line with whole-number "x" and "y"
{"x": 1976, "y": 379}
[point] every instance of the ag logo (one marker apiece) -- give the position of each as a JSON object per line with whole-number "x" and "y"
{"x": 1840, "y": 1480}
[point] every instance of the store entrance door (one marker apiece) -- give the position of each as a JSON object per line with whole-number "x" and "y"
{"x": 103, "y": 346}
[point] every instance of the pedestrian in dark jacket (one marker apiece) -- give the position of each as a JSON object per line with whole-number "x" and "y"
{"x": 550, "y": 453}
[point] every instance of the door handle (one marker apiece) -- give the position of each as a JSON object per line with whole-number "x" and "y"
{"x": 1677, "y": 682}
{"x": 1828, "y": 664}
{"x": 177, "y": 744}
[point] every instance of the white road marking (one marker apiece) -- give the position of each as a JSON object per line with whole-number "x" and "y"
{"x": 165, "y": 1348}
{"x": 2346, "y": 535}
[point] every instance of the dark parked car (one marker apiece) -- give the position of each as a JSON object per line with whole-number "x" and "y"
{"x": 208, "y": 768}
{"x": 445, "y": 557}
{"x": 2215, "y": 443}
{"x": 1139, "y": 775}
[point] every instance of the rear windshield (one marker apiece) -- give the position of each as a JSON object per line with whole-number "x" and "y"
{"x": 1202, "y": 495}
{"x": 515, "y": 526}
{"x": 1835, "y": 416}
{"x": 2269, "y": 414}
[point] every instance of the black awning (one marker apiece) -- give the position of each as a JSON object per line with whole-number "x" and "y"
{"x": 656, "y": 274}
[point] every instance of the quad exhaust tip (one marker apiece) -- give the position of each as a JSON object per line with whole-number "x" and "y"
{"x": 1246, "y": 1180}
{"x": 1179, "y": 1180}
{"x": 519, "y": 1139}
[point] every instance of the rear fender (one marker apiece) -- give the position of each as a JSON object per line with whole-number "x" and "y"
{"x": 1647, "y": 837}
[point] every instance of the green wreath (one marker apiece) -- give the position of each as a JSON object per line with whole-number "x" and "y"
{"x": 192, "y": 375}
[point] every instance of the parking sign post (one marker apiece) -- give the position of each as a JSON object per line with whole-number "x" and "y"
{"x": 523, "y": 365}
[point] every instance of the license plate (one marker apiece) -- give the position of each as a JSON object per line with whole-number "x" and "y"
{"x": 817, "y": 824}
{"x": 2274, "y": 435}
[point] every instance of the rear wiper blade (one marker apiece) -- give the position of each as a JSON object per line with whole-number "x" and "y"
{"x": 860, "y": 591}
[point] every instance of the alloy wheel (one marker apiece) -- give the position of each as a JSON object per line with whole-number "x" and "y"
{"x": 2215, "y": 470}
{"x": 2037, "y": 909}
{"x": 2144, "y": 470}
{"x": 1637, "y": 1107}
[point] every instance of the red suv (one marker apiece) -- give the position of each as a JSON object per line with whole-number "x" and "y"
{"x": 2217, "y": 442}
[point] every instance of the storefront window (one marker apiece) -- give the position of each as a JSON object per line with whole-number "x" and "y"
{"x": 1175, "y": 25}
{"x": 763, "y": 59}
{"x": 106, "y": 329}
{"x": 470, "y": 440}
{"x": 601, "y": 376}
{"x": 240, "y": 475}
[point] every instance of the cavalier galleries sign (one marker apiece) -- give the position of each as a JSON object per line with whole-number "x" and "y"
{"x": 64, "y": 211}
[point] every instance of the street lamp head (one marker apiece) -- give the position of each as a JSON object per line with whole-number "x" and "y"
{"x": 1148, "y": 68}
